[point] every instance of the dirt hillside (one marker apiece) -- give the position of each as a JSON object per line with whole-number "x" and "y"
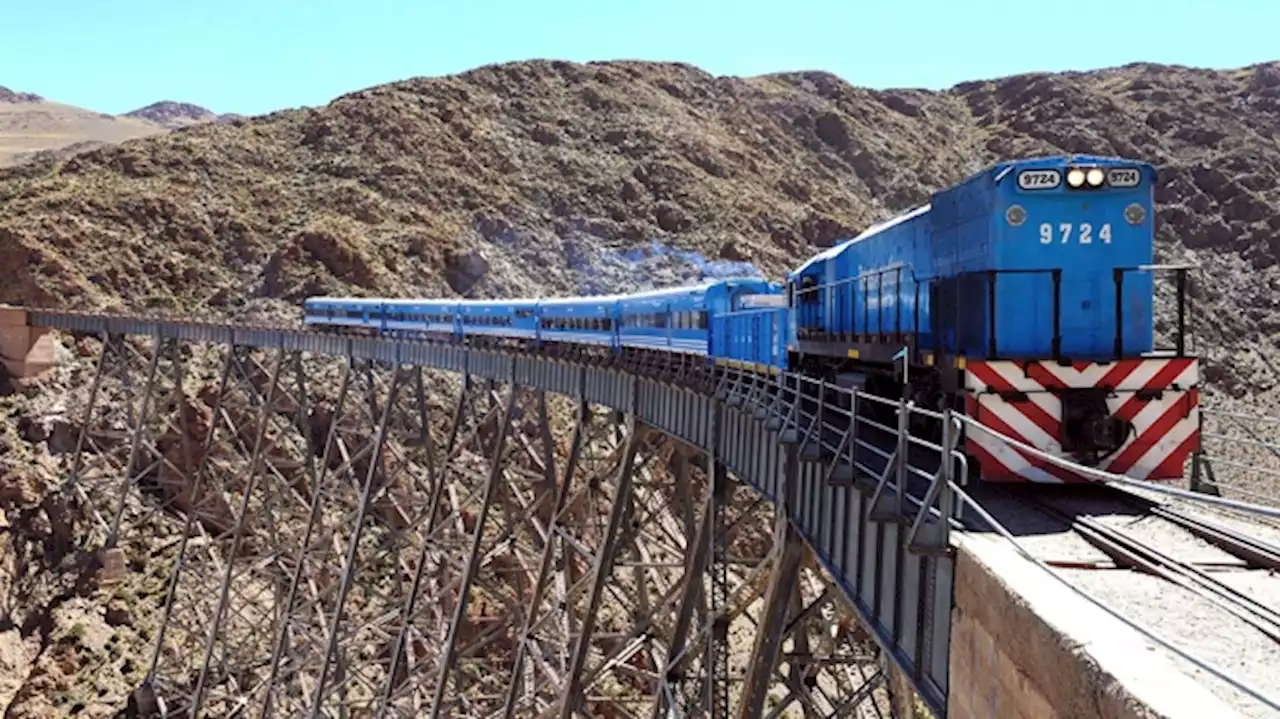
{"x": 32, "y": 127}
{"x": 556, "y": 178}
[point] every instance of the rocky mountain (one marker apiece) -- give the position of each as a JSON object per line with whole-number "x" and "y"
{"x": 556, "y": 178}
{"x": 32, "y": 127}
{"x": 172, "y": 115}
{"x": 14, "y": 97}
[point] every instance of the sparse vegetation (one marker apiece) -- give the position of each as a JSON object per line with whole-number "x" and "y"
{"x": 556, "y": 178}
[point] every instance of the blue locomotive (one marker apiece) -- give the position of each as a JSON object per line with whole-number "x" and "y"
{"x": 1021, "y": 296}
{"x": 1023, "y": 260}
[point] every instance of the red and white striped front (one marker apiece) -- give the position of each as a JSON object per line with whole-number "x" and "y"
{"x": 1166, "y": 424}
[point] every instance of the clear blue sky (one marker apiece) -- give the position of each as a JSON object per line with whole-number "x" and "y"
{"x": 254, "y": 56}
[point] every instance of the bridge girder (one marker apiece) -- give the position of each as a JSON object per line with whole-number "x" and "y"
{"x": 332, "y": 535}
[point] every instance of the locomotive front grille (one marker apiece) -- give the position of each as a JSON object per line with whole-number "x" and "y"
{"x": 1089, "y": 431}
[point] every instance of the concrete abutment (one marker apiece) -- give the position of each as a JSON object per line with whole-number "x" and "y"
{"x": 25, "y": 351}
{"x": 1023, "y": 646}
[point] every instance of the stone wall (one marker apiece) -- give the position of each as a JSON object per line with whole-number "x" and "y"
{"x": 1023, "y": 646}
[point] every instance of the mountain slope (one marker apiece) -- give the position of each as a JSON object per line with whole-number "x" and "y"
{"x": 173, "y": 115}
{"x": 547, "y": 177}
{"x": 30, "y": 124}
{"x": 552, "y": 178}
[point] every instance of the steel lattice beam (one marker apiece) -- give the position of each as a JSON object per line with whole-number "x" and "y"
{"x": 346, "y": 538}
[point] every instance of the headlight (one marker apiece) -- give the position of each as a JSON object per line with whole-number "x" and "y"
{"x": 1016, "y": 215}
{"x": 1075, "y": 177}
{"x": 1135, "y": 214}
{"x": 1094, "y": 177}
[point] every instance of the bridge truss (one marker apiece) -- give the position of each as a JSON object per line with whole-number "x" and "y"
{"x": 325, "y": 527}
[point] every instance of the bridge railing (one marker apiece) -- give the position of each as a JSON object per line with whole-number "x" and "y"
{"x": 863, "y": 440}
{"x": 867, "y": 440}
{"x": 1239, "y": 455}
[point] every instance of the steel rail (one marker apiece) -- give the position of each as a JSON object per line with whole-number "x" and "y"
{"x": 1126, "y": 549}
{"x": 1240, "y": 684}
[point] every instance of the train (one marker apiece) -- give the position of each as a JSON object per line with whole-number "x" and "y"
{"x": 1022, "y": 296}
{"x": 739, "y": 318}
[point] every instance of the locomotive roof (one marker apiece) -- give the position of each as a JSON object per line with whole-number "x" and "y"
{"x": 1055, "y": 160}
{"x": 872, "y": 230}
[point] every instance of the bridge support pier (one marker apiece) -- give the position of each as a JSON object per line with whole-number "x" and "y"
{"x": 304, "y": 535}
{"x": 25, "y": 351}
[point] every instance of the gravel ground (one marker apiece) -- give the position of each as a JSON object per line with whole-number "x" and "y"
{"x": 1191, "y": 622}
{"x": 1046, "y": 538}
{"x": 1262, "y": 587}
{"x": 1265, "y": 529}
{"x": 1169, "y": 539}
{"x": 1197, "y": 627}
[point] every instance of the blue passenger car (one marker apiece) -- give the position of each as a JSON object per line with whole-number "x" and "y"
{"x": 684, "y": 319}
{"x": 498, "y": 318}
{"x": 672, "y": 319}
{"x": 588, "y": 321}
{"x": 413, "y": 318}
{"x": 354, "y": 312}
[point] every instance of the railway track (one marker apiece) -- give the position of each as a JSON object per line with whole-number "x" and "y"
{"x": 1259, "y": 553}
{"x": 1130, "y": 551}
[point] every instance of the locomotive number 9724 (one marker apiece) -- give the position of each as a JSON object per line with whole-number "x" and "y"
{"x": 1082, "y": 233}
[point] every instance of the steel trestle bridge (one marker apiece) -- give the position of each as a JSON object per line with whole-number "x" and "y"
{"x": 719, "y": 541}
